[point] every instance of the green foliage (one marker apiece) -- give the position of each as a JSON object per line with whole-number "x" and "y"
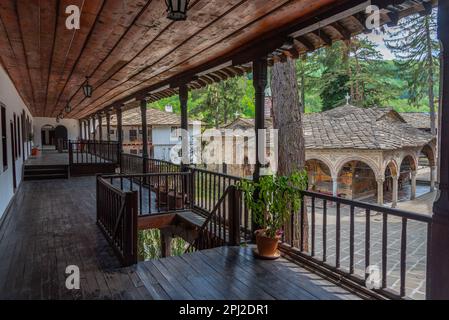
{"x": 416, "y": 48}
{"x": 150, "y": 245}
{"x": 278, "y": 197}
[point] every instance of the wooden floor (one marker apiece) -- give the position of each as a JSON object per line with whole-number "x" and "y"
{"x": 52, "y": 225}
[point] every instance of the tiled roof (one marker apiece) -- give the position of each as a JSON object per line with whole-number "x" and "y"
{"x": 350, "y": 127}
{"x": 154, "y": 117}
{"x": 420, "y": 120}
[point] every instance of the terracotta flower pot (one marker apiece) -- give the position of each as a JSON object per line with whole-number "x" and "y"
{"x": 266, "y": 247}
{"x": 34, "y": 152}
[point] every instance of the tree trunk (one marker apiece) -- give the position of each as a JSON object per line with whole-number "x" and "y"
{"x": 287, "y": 119}
{"x": 430, "y": 80}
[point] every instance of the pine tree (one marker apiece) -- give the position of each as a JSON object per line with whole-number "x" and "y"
{"x": 416, "y": 48}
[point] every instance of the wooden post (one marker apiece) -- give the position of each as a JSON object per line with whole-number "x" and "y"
{"x": 143, "y": 113}
{"x": 118, "y": 110}
{"x": 108, "y": 125}
{"x": 260, "y": 68}
{"x": 80, "y": 123}
{"x": 100, "y": 127}
{"x": 166, "y": 239}
{"x": 234, "y": 201}
{"x": 183, "y": 98}
{"x": 260, "y": 84}
{"x": 85, "y": 130}
{"x": 94, "y": 124}
{"x": 438, "y": 258}
{"x": 88, "y": 129}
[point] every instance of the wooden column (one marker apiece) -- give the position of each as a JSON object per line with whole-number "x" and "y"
{"x": 94, "y": 124}
{"x": 438, "y": 259}
{"x": 166, "y": 239}
{"x": 85, "y": 130}
{"x": 118, "y": 110}
{"x": 183, "y": 98}
{"x": 260, "y": 68}
{"x": 108, "y": 125}
{"x": 80, "y": 123}
{"x": 260, "y": 80}
{"x": 100, "y": 127}
{"x": 143, "y": 114}
{"x": 88, "y": 129}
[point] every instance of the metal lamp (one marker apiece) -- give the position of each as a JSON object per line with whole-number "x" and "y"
{"x": 87, "y": 88}
{"x": 177, "y": 9}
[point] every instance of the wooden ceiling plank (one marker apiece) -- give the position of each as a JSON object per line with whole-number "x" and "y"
{"x": 292, "y": 11}
{"x": 89, "y": 14}
{"x": 10, "y": 22}
{"x": 102, "y": 42}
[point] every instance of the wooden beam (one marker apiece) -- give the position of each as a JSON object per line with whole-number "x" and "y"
{"x": 156, "y": 221}
{"x": 345, "y": 33}
{"x": 306, "y": 43}
{"x": 323, "y": 37}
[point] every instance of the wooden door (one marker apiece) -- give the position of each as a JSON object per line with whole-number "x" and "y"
{"x": 13, "y": 152}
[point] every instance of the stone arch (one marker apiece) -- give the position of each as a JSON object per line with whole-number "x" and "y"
{"x": 391, "y": 165}
{"x": 320, "y": 176}
{"x": 429, "y": 152}
{"x": 357, "y": 178}
{"x": 413, "y": 162}
{"x": 367, "y": 161}
{"x": 324, "y": 160}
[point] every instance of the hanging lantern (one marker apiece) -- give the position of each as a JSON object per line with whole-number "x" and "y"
{"x": 61, "y": 116}
{"x": 68, "y": 108}
{"x": 87, "y": 88}
{"x": 177, "y": 9}
{"x": 57, "y": 119}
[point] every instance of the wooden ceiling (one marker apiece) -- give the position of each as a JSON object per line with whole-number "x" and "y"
{"x": 129, "y": 46}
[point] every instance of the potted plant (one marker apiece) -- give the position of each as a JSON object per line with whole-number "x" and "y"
{"x": 272, "y": 200}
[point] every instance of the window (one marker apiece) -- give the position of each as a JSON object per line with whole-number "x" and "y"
{"x": 4, "y": 139}
{"x": 133, "y": 151}
{"x": 19, "y": 139}
{"x": 132, "y": 135}
{"x": 112, "y": 131}
{"x": 140, "y": 131}
{"x": 140, "y": 151}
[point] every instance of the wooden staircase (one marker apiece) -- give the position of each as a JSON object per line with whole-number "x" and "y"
{"x": 45, "y": 172}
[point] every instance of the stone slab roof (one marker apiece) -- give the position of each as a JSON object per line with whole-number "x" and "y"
{"x": 420, "y": 120}
{"x": 350, "y": 127}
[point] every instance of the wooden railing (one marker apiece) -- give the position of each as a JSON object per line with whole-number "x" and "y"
{"x": 93, "y": 152}
{"x": 210, "y": 187}
{"x": 134, "y": 164}
{"x": 156, "y": 192}
{"x": 222, "y": 227}
{"x": 117, "y": 218}
{"x": 358, "y": 241}
{"x": 93, "y": 157}
{"x": 342, "y": 238}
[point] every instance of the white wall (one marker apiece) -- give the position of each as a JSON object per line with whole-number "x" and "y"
{"x": 72, "y": 126}
{"x": 13, "y": 103}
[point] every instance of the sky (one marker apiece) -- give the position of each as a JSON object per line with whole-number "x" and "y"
{"x": 379, "y": 40}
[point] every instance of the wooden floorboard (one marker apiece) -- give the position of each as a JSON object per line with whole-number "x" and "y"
{"x": 51, "y": 225}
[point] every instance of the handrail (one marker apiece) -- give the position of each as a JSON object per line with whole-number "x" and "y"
{"x": 209, "y": 218}
{"x": 392, "y": 211}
